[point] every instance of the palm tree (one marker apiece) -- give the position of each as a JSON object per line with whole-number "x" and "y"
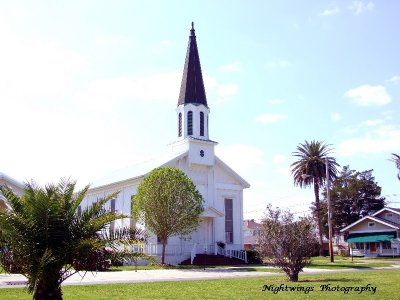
{"x": 46, "y": 237}
{"x": 396, "y": 159}
{"x": 310, "y": 169}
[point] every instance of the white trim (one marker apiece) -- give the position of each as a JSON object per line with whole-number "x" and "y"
{"x": 372, "y": 219}
{"x": 375, "y": 231}
{"x": 388, "y": 209}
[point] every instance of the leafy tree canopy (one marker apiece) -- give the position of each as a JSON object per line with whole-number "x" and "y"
{"x": 286, "y": 242}
{"x": 353, "y": 195}
{"x": 169, "y": 204}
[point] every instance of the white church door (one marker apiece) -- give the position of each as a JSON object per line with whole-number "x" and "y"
{"x": 205, "y": 236}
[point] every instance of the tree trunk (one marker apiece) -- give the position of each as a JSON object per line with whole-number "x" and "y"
{"x": 318, "y": 213}
{"x": 47, "y": 291}
{"x": 164, "y": 242}
{"x": 293, "y": 277}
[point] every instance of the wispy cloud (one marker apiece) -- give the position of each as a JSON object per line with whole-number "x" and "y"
{"x": 369, "y": 95}
{"x": 383, "y": 139}
{"x": 226, "y": 91}
{"x": 276, "y": 101}
{"x": 278, "y": 64}
{"x": 270, "y": 118}
{"x": 251, "y": 155}
{"x": 336, "y": 116}
{"x": 330, "y": 12}
{"x": 359, "y": 7}
{"x": 233, "y": 67}
{"x": 395, "y": 79}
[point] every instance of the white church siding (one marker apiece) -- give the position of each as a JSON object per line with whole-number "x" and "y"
{"x": 194, "y": 154}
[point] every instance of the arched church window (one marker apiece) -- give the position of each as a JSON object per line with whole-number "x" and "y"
{"x": 201, "y": 123}
{"x": 190, "y": 122}
{"x": 180, "y": 124}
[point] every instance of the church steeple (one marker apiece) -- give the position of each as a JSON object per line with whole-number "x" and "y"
{"x": 192, "y": 86}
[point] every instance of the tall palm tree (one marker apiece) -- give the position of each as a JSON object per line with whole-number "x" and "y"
{"x": 396, "y": 159}
{"x": 46, "y": 236}
{"x": 310, "y": 169}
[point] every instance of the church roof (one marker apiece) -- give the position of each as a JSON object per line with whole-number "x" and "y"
{"x": 192, "y": 86}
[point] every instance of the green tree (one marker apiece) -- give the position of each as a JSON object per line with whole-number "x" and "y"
{"x": 396, "y": 159}
{"x": 353, "y": 196}
{"x": 45, "y": 236}
{"x": 309, "y": 170}
{"x": 168, "y": 203}
{"x": 286, "y": 242}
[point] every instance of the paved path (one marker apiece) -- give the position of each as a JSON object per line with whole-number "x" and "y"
{"x": 17, "y": 280}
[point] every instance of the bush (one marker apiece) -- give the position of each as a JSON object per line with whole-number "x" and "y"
{"x": 95, "y": 260}
{"x": 253, "y": 257}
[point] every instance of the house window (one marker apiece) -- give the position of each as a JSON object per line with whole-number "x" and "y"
{"x": 79, "y": 210}
{"x": 190, "y": 123}
{"x": 386, "y": 245}
{"x": 389, "y": 215}
{"x": 180, "y": 124}
{"x": 359, "y": 246}
{"x": 201, "y": 123}
{"x": 371, "y": 224}
{"x": 228, "y": 221}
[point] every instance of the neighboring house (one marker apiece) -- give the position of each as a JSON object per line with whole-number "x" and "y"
{"x": 14, "y": 184}
{"x": 193, "y": 152}
{"x": 375, "y": 235}
{"x": 251, "y": 232}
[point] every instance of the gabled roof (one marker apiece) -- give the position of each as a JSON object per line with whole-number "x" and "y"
{"x": 389, "y": 209}
{"x": 375, "y": 219}
{"x": 192, "y": 86}
{"x": 235, "y": 175}
{"x": 142, "y": 169}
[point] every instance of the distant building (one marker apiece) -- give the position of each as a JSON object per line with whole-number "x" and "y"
{"x": 14, "y": 184}
{"x": 375, "y": 235}
{"x": 251, "y": 233}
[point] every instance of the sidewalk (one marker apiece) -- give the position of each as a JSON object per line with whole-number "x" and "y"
{"x": 17, "y": 280}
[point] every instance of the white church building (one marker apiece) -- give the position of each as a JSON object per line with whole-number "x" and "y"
{"x": 193, "y": 152}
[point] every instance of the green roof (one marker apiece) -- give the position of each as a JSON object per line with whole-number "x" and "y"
{"x": 370, "y": 237}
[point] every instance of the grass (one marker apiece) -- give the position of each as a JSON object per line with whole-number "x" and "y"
{"x": 340, "y": 262}
{"x": 386, "y": 283}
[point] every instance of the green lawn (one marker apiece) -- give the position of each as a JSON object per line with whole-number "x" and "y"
{"x": 386, "y": 284}
{"x": 340, "y": 262}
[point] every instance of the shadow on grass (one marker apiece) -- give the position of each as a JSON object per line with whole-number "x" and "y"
{"x": 317, "y": 280}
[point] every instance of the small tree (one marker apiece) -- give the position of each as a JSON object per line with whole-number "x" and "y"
{"x": 168, "y": 203}
{"x": 43, "y": 236}
{"x": 287, "y": 243}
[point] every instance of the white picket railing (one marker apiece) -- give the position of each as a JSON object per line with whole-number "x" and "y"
{"x": 186, "y": 250}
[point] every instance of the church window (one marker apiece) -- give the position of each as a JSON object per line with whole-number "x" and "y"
{"x": 190, "y": 123}
{"x": 180, "y": 124}
{"x": 201, "y": 123}
{"x": 112, "y": 224}
{"x": 228, "y": 221}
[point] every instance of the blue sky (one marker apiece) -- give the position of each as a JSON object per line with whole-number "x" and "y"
{"x": 89, "y": 87}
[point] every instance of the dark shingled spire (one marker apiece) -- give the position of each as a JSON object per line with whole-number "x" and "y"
{"x": 192, "y": 86}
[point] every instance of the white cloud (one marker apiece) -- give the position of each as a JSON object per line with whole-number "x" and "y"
{"x": 368, "y": 95}
{"x": 330, "y": 12}
{"x": 270, "y": 118}
{"x": 375, "y": 122}
{"x": 279, "y": 158}
{"x": 225, "y": 91}
{"x": 240, "y": 157}
{"x": 358, "y": 7}
{"x": 276, "y": 101}
{"x": 278, "y": 64}
{"x": 336, "y": 116}
{"x": 383, "y": 139}
{"x": 395, "y": 79}
{"x": 104, "y": 94}
{"x": 233, "y": 67}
